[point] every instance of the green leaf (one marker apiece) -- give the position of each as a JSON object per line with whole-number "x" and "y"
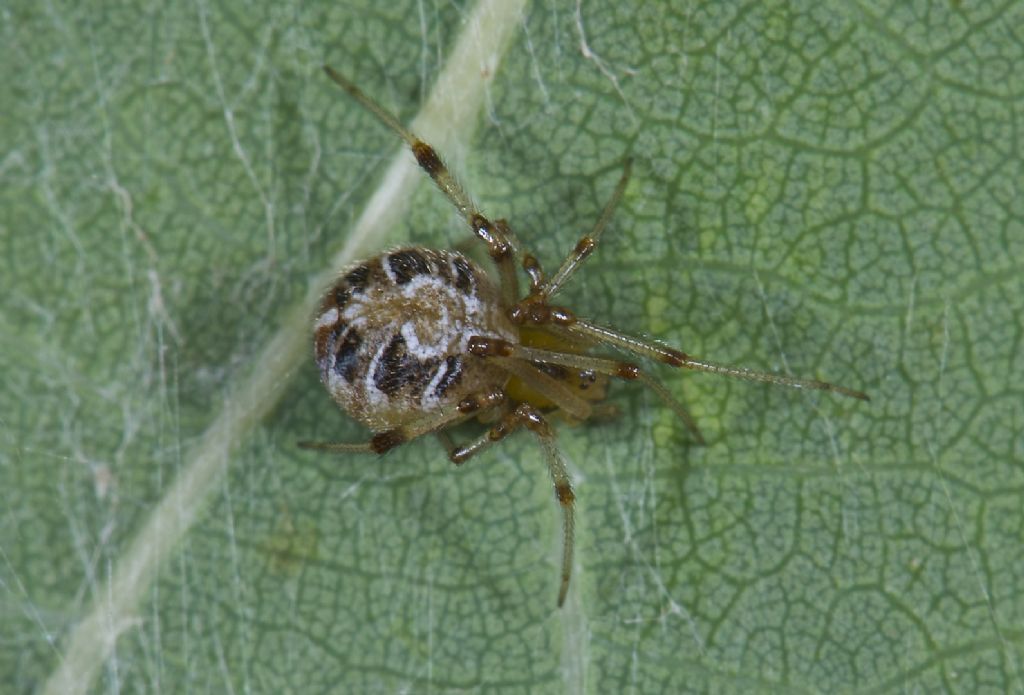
{"x": 822, "y": 189}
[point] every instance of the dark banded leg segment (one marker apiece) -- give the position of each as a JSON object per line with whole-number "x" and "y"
{"x": 385, "y": 441}
{"x": 677, "y": 358}
{"x": 503, "y": 248}
{"x": 527, "y": 416}
{"x": 501, "y": 243}
{"x": 587, "y": 243}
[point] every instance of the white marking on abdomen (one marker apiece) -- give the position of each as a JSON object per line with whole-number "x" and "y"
{"x": 429, "y": 400}
{"x": 328, "y": 318}
{"x": 374, "y": 394}
{"x": 440, "y": 333}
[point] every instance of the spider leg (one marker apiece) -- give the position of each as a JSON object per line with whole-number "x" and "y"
{"x": 623, "y": 370}
{"x": 339, "y": 447}
{"x": 389, "y": 439}
{"x": 557, "y": 392}
{"x": 677, "y": 358}
{"x": 501, "y": 242}
{"x": 525, "y": 415}
{"x": 508, "y": 280}
{"x": 587, "y": 243}
{"x": 446, "y": 440}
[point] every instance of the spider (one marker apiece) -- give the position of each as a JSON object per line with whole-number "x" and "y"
{"x": 415, "y": 340}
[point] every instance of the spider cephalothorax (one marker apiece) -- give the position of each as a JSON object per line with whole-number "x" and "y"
{"x": 416, "y": 340}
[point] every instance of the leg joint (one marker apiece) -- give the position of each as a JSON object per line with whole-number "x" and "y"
{"x": 533, "y": 420}
{"x": 386, "y": 441}
{"x": 427, "y": 158}
{"x": 564, "y": 493}
{"x": 489, "y": 347}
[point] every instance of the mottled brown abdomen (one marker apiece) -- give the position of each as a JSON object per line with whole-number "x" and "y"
{"x": 391, "y": 336}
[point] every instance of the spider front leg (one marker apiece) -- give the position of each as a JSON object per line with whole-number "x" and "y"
{"x": 586, "y": 244}
{"x": 503, "y": 248}
{"x": 502, "y": 245}
{"x": 525, "y": 415}
{"x": 679, "y": 359}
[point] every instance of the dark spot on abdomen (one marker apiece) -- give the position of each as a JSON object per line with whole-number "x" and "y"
{"x": 342, "y": 294}
{"x": 389, "y": 376}
{"x": 357, "y": 278}
{"x": 452, "y": 374}
{"x": 463, "y": 275}
{"x": 407, "y": 264}
{"x": 346, "y": 357}
{"x": 397, "y": 370}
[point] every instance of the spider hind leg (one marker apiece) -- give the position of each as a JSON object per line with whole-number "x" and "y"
{"x": 525, "y": 415}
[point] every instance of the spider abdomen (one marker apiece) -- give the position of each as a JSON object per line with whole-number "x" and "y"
{"x": 391, "y": 335}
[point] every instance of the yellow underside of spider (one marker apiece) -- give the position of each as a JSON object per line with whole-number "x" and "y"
{"x": 591, "y": 389}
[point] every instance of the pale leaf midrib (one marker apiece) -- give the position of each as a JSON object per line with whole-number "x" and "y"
{"x": 450, "y": 111}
